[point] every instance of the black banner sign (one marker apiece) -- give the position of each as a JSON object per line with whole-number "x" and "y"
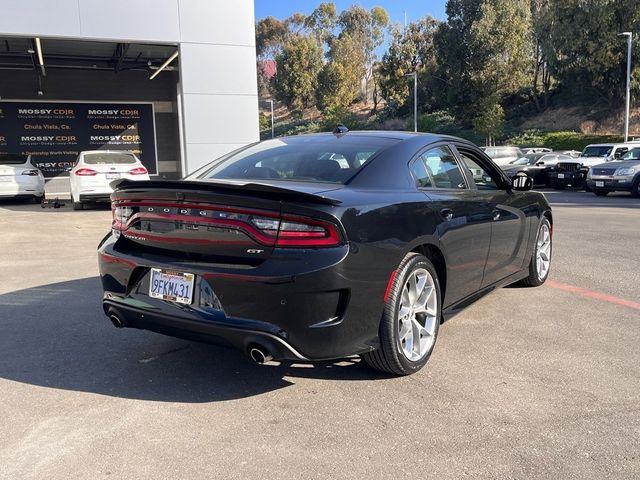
{"x": 54, "y": 133}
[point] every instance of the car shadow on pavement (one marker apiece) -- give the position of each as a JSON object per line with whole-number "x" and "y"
{"x": 56, "y": 336}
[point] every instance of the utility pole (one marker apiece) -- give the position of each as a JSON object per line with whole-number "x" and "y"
{"x": 629, "y": 36}
{"x": 415, "y": 99}
{"x": 271, "y": 103}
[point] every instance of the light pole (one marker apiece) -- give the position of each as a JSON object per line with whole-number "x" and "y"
{"x": 415, "y": 99}
{"x": 271, "y": 104}
{"x": 629, "y": 36}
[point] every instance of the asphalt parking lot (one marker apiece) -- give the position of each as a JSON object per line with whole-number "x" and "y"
{"x": 527, "y": 383}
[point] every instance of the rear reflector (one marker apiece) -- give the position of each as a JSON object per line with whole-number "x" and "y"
{"x": 387, "y": 292}
{"x": 138, "y": 171}
{"x": 85, "y": 172}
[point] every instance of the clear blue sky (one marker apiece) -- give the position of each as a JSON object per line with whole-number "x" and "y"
{"x": 415, "y": 8}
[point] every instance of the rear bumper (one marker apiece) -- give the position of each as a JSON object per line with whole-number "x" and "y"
{"x": 315, "y": 311}
{"x": 96, "y": 197}
{"x": 610, "y": 183}
{"x": 564, "y": 179}
{"x": 24, "y": 187}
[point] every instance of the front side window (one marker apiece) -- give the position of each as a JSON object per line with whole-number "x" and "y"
{"x": 481, "y": 176}
{"x": 441, "y": 169}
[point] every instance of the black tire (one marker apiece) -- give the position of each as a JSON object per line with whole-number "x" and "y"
{"x": 635, "y": 188}
{"x": 534, "y": 279}
{"x": 389, "y": 358}
{"x": 76, "y": 205}
{"x": 37, "y": 199}
{"x": 601, "y": 193}
{"x": 586, "y": 186}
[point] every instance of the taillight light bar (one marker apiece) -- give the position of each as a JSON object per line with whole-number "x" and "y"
{"x": 266, "y": 228}
{"x": 85, "y": 172}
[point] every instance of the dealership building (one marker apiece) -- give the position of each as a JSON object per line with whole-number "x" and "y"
{"x": 173, "y": 80}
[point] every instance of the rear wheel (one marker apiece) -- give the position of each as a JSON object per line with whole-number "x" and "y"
{"x": 601, "y": 193}
{"x": 541, "y": 259}
{"x": 410, "y": 320}
{"x": 635, "y": 188}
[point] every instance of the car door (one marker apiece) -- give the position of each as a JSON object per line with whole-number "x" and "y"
{"x": 464, "y": 219}
{"x": 509, "y": 226}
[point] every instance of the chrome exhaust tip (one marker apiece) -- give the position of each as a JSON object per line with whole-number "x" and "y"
{"x": 259, "y": 355}
{"x": 116, "y": 321}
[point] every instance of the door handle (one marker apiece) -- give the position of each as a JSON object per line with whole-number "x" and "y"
{"x": 447, "y": 214}
{"x": 496, "y": 215}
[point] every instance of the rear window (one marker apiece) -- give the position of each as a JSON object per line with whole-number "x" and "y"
{"x": 597, "y": 151}
{"x": 322, "y": 158}
{"x": 108, "y": 158}
{"x": 633, "y": 154}
{"x": 12, "y": 159}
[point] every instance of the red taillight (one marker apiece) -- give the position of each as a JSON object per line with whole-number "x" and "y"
{"x": 138, "y": 171}
{"x": 31, "y": 173}
{"x": 85, "y": 172}
{"x": 306, "y": 232}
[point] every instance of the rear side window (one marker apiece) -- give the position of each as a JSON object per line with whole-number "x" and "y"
{"x": 108, "y": 158}
{"x": 12, "y": 159}
{"x": 322, "y": 158}
{"x": 438, "y": 168}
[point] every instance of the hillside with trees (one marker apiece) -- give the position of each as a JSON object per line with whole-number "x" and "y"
{"x": 494, "y": 70}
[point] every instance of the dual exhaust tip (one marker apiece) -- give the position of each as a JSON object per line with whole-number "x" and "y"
{"x": 258, "y": 353}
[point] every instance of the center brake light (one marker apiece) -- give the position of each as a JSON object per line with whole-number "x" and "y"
{"x": 86, "y": 172}
{"x": 265, "y": 227}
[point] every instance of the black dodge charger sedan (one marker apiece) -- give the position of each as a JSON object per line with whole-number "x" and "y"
{"x": 323, "y": 246}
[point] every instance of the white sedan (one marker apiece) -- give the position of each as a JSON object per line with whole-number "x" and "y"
{"x": 19, "y": 178}
{"x": 94, "y": 171}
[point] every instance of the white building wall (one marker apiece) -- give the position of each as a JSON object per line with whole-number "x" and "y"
{"x": 216, "y": 39}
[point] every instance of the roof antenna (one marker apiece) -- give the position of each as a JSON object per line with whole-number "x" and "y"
{"x": 340, "y": 130}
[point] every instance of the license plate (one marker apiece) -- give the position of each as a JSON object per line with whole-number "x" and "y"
{"x": 561, "y": 175}
{"x": 599, "y": 184}
{"x": 171, "y": 285}
{"x": 113, "y": 176}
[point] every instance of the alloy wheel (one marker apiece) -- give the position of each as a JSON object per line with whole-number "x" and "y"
{"x": 543, "y": 251}
{"x": 417, "y": 315}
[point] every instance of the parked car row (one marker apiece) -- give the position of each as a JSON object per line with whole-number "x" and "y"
{"x": 601, "y": 168}
{"x": 90, "y": 177}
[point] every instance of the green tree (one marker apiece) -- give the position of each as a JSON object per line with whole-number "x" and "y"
{"x": 367, "y": 31}
{"x": 484, "y": 50}
{"x": 299, "y": 64}
{"x": 587, "y": 51}
{"x": 489, "y": 121}
{"x": 322, "y": 21}
{"x": 411, "y": 50}
{"x": 339, "y": 79}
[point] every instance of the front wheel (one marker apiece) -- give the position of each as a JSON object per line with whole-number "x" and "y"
{"x": 410, "y": 320}
{"x": 540, "y": 263}
{"x": 635, "y": 188}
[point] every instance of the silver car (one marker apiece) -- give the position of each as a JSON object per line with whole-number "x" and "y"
{"x": 621, "y": 175}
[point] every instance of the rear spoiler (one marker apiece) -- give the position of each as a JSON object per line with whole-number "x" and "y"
{"x": 264, "y": 190}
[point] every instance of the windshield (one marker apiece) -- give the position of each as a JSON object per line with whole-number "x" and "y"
{"x": 322, "y": 158}
{"x": 597, "y": 151}
{"x": 108, "y": 158}
{"x": 12, "y": 159}
{"x": 633, "y": 154}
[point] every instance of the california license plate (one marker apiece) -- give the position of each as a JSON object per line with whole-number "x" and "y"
{"x": 599, "y": 184}
{"x": 171, "y": 285}
{"x": 561, "y": 175}
{"x": 113, "y": 176}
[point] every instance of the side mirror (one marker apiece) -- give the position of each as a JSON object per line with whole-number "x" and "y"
{"x": 68, "y": 169}
{"x": 521, "y": 182}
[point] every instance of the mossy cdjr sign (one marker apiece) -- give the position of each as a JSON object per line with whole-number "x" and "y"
{"x": 54, "y": 133}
